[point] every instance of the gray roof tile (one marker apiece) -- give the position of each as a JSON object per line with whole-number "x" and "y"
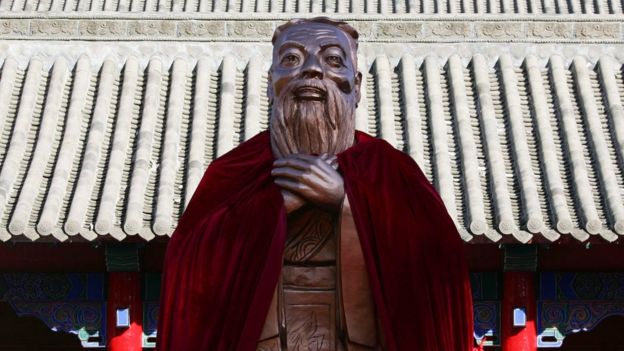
{"x": 519, "y": 151}
{"x": 355, "y": 7}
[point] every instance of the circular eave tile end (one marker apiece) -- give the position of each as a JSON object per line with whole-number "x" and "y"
{"x": 564, "y": 226}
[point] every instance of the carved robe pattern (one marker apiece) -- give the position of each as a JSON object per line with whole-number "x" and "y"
{"x": 307, "y": 312}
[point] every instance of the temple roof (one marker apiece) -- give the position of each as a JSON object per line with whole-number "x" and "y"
{"x": 355, "y": 7}
{"x": 520, "y": 149}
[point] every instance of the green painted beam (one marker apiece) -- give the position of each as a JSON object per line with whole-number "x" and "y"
{"x": 122, "y": 258}
{"x": 520, "y": 258}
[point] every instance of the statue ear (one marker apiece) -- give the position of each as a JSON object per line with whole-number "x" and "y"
{"x": 358, "y": 87}
{"x": 270, "y": 86}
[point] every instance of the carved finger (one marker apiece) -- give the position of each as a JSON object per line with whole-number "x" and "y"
{"x": 307, "y": 158}
{"x": 291, "y": 185}
{"x": 331, "y": 160}
{"x": 293, "y": 163}
{"x": 324, "y": 170}
{"x": 288, "y": 172}
{"x": 312, "y": 165}
{"x": 316, "y": 160}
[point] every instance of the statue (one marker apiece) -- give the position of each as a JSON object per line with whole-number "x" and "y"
{"x": 313, "y": 236}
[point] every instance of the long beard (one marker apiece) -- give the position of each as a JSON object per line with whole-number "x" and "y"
{"x": 311, "y": 126}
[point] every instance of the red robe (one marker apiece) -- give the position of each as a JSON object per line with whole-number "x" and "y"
{"x": 224, "y": 258}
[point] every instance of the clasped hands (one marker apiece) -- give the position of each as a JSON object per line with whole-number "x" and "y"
{"x": 307, "y": 178}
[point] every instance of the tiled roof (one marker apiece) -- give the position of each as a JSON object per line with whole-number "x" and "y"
{"x": 521, "y": 7}
{"x": 519, "y": 149}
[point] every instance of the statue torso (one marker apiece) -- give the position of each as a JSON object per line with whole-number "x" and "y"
{"x": 309, "y": 309}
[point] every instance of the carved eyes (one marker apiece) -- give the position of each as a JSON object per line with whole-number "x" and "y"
{"x": 293, "y": 60}
{"x": 290, "y": 60}
{"x": 334, "y": 60}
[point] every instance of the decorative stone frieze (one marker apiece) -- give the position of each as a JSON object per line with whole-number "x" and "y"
{"x": 152, "y": 27}
{"x": 54, "y": 27}
{"x": 365, "y": 29}
{"x": 252, "y": 29}
{"x": 400, "y": 31}
{"x": 14, "y": 26}
{"x": 102, "y": 28}
{"x": 598, "y": 30}
{"x": 550, "y": 30}
{"x": 499, "y": 30}
{"x": 391, "y": 30}
{"x": 449, "y": 30}
{"x": 201, "y": 29}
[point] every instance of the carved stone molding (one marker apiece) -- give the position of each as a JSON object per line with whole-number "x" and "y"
{"x": 449, "y": 30}
{"x": 551, "y": 30}
{"x": 201, "y": 29}
{"x": 500, "y": 30}
{"x": 102, "y": 28}
{"x": 399, "y": 29}
{"x": 250, "y": 29}
{"x": 143, "y": 28}
{"x": 55, "y": 27}
{"x": 261, "y": 30}
{"x": 365, "y": 29}
{"x": 14, "y": 27}
{"x": 598, "y": 30}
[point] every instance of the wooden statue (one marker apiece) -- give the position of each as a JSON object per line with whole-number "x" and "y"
{"x": 315, "y": 87}
{"x": 314, "y": 236}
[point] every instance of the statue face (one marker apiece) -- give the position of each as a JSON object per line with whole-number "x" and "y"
{"x": 314, "y": 51}
{"x": 315, "y": 87}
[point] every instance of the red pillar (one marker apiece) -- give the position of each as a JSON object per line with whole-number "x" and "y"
{"x": 519, "y": 292}
{"x": 124, "y": 291}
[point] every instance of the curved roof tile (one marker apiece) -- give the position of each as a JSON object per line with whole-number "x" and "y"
{"x": 519, "y": 151}
{"x": 328, "y": 7}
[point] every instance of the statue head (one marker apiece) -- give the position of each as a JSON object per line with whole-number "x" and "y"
{"x": 314, "y": 86}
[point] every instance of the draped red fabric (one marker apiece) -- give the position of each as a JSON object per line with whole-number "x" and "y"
{"x": 224, "y": 259}
{"x": 414, "y": 255}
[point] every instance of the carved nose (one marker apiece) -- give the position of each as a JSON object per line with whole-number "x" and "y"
{"x": 312, "y": 68}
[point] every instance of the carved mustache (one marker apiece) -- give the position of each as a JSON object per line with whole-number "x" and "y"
{"x": 297, "y": 84}
{"x": 309, "y": 89}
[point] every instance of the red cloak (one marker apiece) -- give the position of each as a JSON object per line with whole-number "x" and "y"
{"x": 224, "y": 259}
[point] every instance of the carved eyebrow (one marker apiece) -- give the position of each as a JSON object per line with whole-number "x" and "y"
{"x": 289, "y": 44}
{"x": 325, "y": 46}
